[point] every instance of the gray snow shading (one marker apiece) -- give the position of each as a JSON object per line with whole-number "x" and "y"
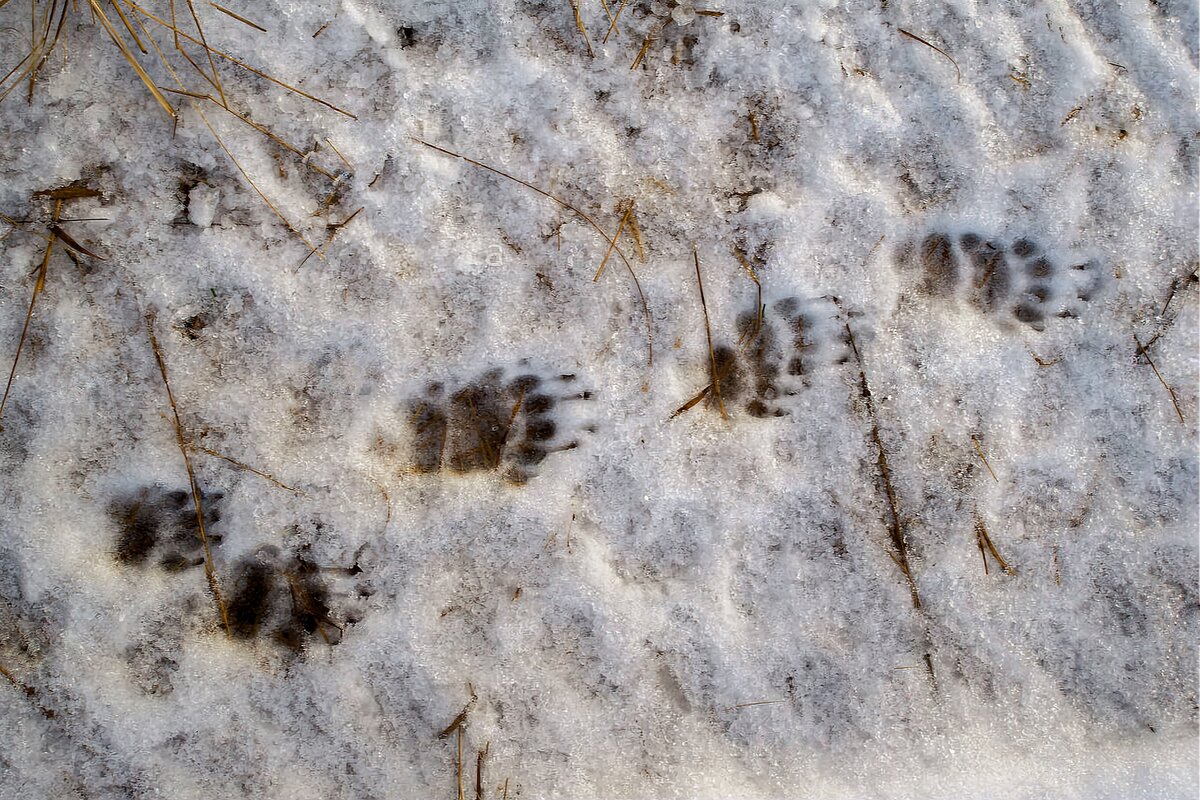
{"x": 489, "y": 502}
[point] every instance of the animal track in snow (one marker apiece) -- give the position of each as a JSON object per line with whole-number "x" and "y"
{"x": 779, "y": 353}
{"x": 506, "y": 421}
{"x": 161, "y": 524}
{"x": 291, "y": 599}
{"x": 1017, "y": 279}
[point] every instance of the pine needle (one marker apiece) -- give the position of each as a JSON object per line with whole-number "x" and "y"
{"x": 210, "y": 571}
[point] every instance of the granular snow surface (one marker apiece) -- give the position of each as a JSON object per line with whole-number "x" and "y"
{"x": 906, "y": 508}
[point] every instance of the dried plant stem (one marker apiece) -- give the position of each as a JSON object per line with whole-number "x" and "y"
{"x": 896, "y": 530}
{"x": 582, "y": 29}
{"x": 591, "y": 222}
{"x": 916, "y": 38}
{"x": 238, "y": 17}
{"x": 615, "y": 239}
{"x": 210, "y": 571}
{"x": 613, "y": 25}
{"x": 133, "y": 62}
{"x": 38, "y": 285}
{"x": 245, "y": 467}
{"x": 986, "y": 544}
{"x": 460, "y": 779}
{"x": 219, "y": 54}
{"x": 195, "y": 107}
{"x": 983, "y": 458}
{"x": 712, "y": 355}
{"x": 1141, "y": 351}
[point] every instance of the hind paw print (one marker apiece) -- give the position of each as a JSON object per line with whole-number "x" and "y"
{"x": 779, "y": 353}
{"x": 1018, "y": 279}
{"x": 292, "y": 601}
{"x": 500, "y": 422}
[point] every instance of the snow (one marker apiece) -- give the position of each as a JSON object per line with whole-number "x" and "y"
{"x": 490, "y": 498}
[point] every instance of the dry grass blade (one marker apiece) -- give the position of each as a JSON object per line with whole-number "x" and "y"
{"x": 71, "y": 243}
{"x": 39, "y": 51}
{"x": 460, "y": 779}
{"x": 983, "y": 458}
{"x": 210, "y": 571}
{"x": 712, "y": 355}
{"x": 613, "y": 25}
{"x": 133, "y": 62}
{"x": 72, "y": 192}
{"x": 246, "y": 468}
{"x": 916, "y": 38}
{"x": 238, "y": 17}
{"x": 219, "y": 54}
{"x": 591, "y": 222}
{"x": 304, "y": 157}
{"x": 757, "y": 703}
{"x": 254, "y": 185}
{"x": 116, "y": 7}
{"x": 38, "y": 286}
{"x": 332, "y": 232}
{"x": 216, "y": 79}
{"x": 613, "y": 243}
{"x": 480, "y": 757}
{"x": 985, "y": 542}
{"x": 1141, "y": 351}
{"x": 654, "y": 33}
{"x": 896, "y": 530}
{"x": 167, "y": 64}
{"x": 582, "y": 29}
{"x": 461, "y": 718}
{"x": 338, "y": 153}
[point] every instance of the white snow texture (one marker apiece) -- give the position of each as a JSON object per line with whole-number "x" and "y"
{"x": 446, "y": 489}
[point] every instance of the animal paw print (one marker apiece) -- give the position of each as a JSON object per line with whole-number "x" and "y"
{"x": 779, "y": 352}
{"x": 157, "y": 524}
{"x": 499, "y": 422}
{"x": 292, "y": 601}
{"x": 1018, "y": 279}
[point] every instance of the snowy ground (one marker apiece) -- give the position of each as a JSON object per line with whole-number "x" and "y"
{"x": 490, "y": 507}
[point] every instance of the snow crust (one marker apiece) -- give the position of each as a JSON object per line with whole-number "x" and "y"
{"x": 642, "y": 605}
